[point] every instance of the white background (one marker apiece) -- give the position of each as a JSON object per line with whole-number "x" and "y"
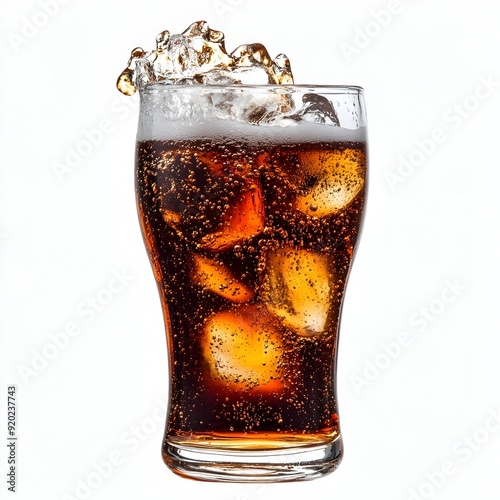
{"x": 429, "y": 234}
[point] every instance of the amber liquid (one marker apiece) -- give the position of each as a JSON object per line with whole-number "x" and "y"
{"x": 251, "y": 246}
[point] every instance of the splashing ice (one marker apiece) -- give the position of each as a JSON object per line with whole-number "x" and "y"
{"x": 198, "y": 56}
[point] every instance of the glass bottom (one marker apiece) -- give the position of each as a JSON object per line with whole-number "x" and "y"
{"x": 259, "y": 466}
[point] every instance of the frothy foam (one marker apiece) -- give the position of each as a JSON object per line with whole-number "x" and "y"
{"x": 263, "y": 113}
{"x": 163, "y": 130}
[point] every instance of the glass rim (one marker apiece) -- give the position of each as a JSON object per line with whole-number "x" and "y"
{"x": 285, "y": 88}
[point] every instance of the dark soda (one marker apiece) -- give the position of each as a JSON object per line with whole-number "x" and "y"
{"x": 251, "y": 245}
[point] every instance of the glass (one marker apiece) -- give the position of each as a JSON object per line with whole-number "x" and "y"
{"x": 251, "y": 222}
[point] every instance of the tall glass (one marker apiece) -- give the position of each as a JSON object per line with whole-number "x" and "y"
{"x": 251, "y": 201}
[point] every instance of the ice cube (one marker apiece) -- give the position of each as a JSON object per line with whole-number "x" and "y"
{"x": 196, "y": 51}
{"x": 159, "y": 58}
{"x": 252, "y": 63}
{"x": 219, "y": 77}
{"x": 256, "y": 75}
{"x": 162, "y": 41}
{"x": 253, "y": 54}
{"x": 338, "y": 177}
{"x": 281, "y": 70}
{"x": 316, "y": 109}
{"x": 144, "y": 73}
{"x": 298, "y": 288}
{"x": 243, "y": 348}
{"x": 216, "y": 277}
{"x": 243, "y": 220}
{"x": 171, "y": 217}
{"x": 126, "y": 80}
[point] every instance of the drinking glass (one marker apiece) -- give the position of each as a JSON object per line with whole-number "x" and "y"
{"x": 251, "y": 201}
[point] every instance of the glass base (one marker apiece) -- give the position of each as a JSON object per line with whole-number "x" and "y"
{"x": 259, "y": 466}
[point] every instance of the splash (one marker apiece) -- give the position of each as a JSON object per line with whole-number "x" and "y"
{"x": 198, "y": 55}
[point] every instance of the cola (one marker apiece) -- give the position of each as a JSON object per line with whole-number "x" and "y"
{"x": 251, "y": 245}
{"x": 251, "y": 194}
